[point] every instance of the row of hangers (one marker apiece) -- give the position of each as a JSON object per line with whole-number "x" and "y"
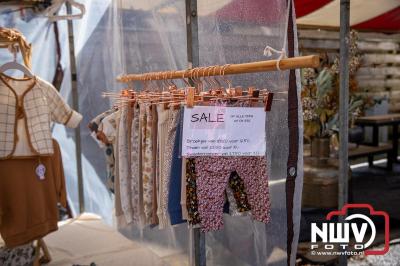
{"x": 201, "y": 86}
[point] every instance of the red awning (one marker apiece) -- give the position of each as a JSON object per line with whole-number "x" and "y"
{"x": 304, "y": 7}
{"x": 373, "y": 15}
{"x": 389, "y": 21}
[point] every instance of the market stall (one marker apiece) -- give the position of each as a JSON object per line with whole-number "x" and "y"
{"x": 191, "y": 139}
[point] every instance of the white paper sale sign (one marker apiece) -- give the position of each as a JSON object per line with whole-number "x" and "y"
{"x": 223, "y": 131}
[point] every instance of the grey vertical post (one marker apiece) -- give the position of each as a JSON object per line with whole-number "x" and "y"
{"x": 197, "y": 240}
{"x": 192, "y": 33}
{"x": 75, "y": 106}
{"x": 344, "y": 108}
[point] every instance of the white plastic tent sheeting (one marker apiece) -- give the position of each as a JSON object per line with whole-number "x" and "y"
{"x": 115, "y": 38}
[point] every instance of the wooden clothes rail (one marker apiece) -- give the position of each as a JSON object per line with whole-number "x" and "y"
{"x": 311, "y": 61}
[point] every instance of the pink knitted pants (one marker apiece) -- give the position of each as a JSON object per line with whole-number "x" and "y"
{"x": 212, "y": 178}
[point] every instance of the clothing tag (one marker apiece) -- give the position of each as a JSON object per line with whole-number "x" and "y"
{"x": 40, "y": 171}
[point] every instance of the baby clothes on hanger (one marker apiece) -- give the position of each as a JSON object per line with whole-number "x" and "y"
{"x": 101, "y": 139}
{"x": 136, "y": 160}
{"x": 154, "y": 156}
{"x": 246, "y": 176}
{"x": 32, "y": 184}
{"x": 124, "y": 160}
{"x": 28, "y": 105}
{"x": 174, "y": 195}
{"x": 119, "y": 214}
{"x": 166, "y": 189}
{"x": 107, "y": 132}
{"x": 162, "y": 130}
{"x": 142, "y": 159}
{"x": 172, "y": 126}
{"x": 148, "y": 172}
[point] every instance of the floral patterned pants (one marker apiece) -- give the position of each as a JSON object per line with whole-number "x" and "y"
{"x": 212, "y": 177}
{"x": 236, "y": 193}
{"x": 137, "y": 199}
{"x": 148, "y": 171}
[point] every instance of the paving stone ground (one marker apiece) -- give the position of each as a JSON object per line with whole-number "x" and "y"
{"x": 392, "y": 258}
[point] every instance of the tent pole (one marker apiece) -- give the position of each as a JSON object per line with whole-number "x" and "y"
{"x": 197, "y": 242}
{"x": 344, "y": 109}
{"x": 75, "y": 105}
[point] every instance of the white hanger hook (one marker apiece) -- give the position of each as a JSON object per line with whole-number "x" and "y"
{"x": 51, "y": 11}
